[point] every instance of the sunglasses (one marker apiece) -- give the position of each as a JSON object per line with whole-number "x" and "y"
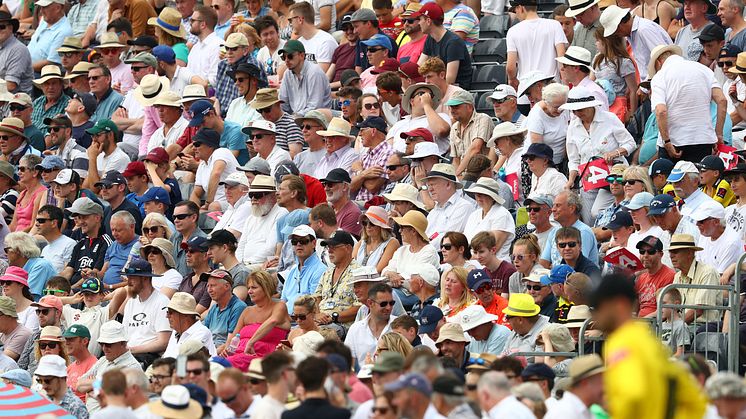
{"x": 196, "y": 372}
{"x": 534, "y": 287}
{"x": 24, "y": 169}
{"x": 381, "y": 410}
{"x": 241, "y": 79}
{"x": 51, "y": 292}
{"x": 109, "y": 186}
{"x": 375, "y": 49}
{"x": 42, "y": 220}
{"x": 567, "y": 244}
{"x": 107, "y": 345}
{"x": 6, "y": 283}
{"x": 296, "y": 317}
{"x": 409, "y": 20}
{"x": 257, "y": 136}
{"x": 285, "y": 57}
{"x": 725, "y": 63}
{"x": 265, "y": 110}
{"x": 91, "y": 286}
{"x": 232, "y": 49}
{"x": 483, "y": 288}
{"x": 253, "y": 381}
{"x": 54, "y": 129}
{"x": 216, "y": 7}
{"x": 383, "y": 304}
{"x": 346, "y": 102}
{"x": 630, "y": 182}
{"x": 138, "y": 68}
{"x": 148, "y": 230}
{"x": 370, "y": 106}
{"x": 501, "y": 101}
{"x": 614, "y": 179}
{"x": 94, "y": 78}
{"x": 650, "y": 252}
{"x": 182, "y": 216}
{"x": 446, "y": 246}
{"x": 18, "y": 108}
{"x": 393, "y": 167}
{"x": 471, "y": 387}
{"x": 257, "y": 195}
{"x": 301, "y": 242}
{"x": 229, "y": 400}
{"x": 412, "y": 139}
{"x": 109, "y": 51}
{"x": 533, "y": 209}
{"x": 477, "y": 361}
{"x": 153, "y": 251}
{"x": 309, "y": 127}
{"x": 42, "y": 311}
{"x": 47, "y": 345}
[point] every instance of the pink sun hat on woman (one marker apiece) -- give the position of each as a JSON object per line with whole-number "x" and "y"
{"x": 15, "y": 274}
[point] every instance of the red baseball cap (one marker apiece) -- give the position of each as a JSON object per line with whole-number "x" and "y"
{"x": 419, "y": 132}
{"x": 135, "y": 168}
{"x": 431, "y": 10}
{"x": 157, "y": 155}
{"x": 49, "y": 301}
{"x": 389, "y": 64}
{"x": 411, "y": 71}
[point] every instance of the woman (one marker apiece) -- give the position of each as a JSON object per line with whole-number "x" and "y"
{"x": 280, "y": 9}
{"x": 454, "y": 292}
{"x": 155, "y": 225}
{"x": 383, "y": 407}
{"x": 614, "y": 64}
{"x": 29, "y": 202}
{"x": 304, "y": 313}
{"x": 490, "y": 216}
{"x": 170, "y": 32}
{"x": 159, "y": 253}
{"x": 635, "y": 180}
{"x": 255, "y": 42}
{"x": 50, "y": 342}
{"x": 402, "y": 199}
{"x": 547, "y": 123}
{"x": 22, "y": 251}
{"x": 377, "y": 245}
{"x": 415, "y": 250}
{"x": 545, "y": 179}
{"x": 508, "y": 141}
{"x": 638, "y": 208}
{"x": 394, "y": 342}
{"x": 261, "y": 326}
{"x": 659, "y": 11}
{"x": 556, "y": 338}
{"x": 526, "y": 253}
{"x": 369, "y": 105}
{"x": 47, "y": 176}
{"x": 15, "y": 286}
{"x": 595, "y": 133}
{"x": 456, "y": 252}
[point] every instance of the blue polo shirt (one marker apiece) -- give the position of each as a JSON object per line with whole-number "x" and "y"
{"x": 39, "y": 271}
{"x": 221, "y": 322}
{"x": 107, "y": 105}
{"x": 303, "y": 282}
{"x": 46, "y": 39}
{"x": 117, "y": 255}
{"x": 233, "y": 139}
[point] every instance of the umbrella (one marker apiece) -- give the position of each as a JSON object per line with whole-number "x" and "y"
{"x": 20, "y": 402}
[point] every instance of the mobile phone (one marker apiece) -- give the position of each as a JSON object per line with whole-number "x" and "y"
{"x": 181, "y": 362}
{"x": 286, "y": 343}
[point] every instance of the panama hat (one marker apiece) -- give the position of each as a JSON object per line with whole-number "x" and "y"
{"x": 416, "y": 220}
{"x": 71, "y": 44}
{"x": 521, "y": 305}
{"x": 151, "y": 86}
{"x": 404, "y": 192}
{"x": 265, "y": 98}
{"x": 740, "y": 67}
{"x": 169, "y": 20}
{"x": 657, "y": 52}
{"x": 577, "y": 56}
{"x": 48, "y": 72}
{"x": 12, "y": 125}
{"x": 683, "y": 241}
{"x": 434, "y": 92}
{"x": 580, "y": 98}
{"x": 168, "y": 98}
{"x": 576, "y": 7}
{"x": 192, "y": 92}
{"x": 529, "y": 79}
{"x": 79, "y": 70}
{"x": 577, "y": 316}
{"x": 487, "y": 186}
{"x": 263, "y": 183}
{"x": 183, "y": 303}
{"x": 585, "y": 366}
{"x": 175, "y": 403}
{"x": 337, "y": 127}
{"x": 166, "y": 248}
{"x": 444, "y": 171}
{"x": 109, "y": 40}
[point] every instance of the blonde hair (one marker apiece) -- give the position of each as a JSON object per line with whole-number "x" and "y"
{"x": 60, "y": 344}
{"x": 265, "y": 281}
{"x": 251, "y": 35}
{"x": 395, "y": 342}
{"x": 638, "y": 173}
{"x": 466, "y": 298}
{"x": 157, "y": 219}
{"x": 306, "y": 301}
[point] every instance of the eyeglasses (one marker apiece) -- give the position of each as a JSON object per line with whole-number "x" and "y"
{"x": 725, "y": 64}
{"x": 258, "y": 136}
{"x": 109, "y": 51}
{"x": 446, "y": 246}
{"x": 51, "y": 292}
{"x": 650, "y": 252}
{"x": 42, "y": 220}
{"x": 371, "y": 106}
{"x": 25, "y": 169}
{"x": 346, "y": 102}
{"x": 107, "y": 345}
{"x": 265, "y": 110}
{"x": 196, "y": 372}
{"x": 153, "y": 251}
{"x": 182, "y": 216}
{"x": 374, "y": 49}
{"x": 615, "y": 179}
{"x": 286, "y": 57}
{"x": 567, "y": 244}
{"x": 155, "y": 377}
{"x": 383, "y": 304}
{"x": 232, "y": 49}
{"x": 94, "y": 78}
{"x": 533, "y": 209}
{"x": 296, "y": 317}
{"x": 148, "y": 230}
{"x": 42, "y": 311}
{"x": 630, "y": 182}
{"x": 47, "y": 345}
{"x": 257, "y": 195}
{"x": 301, "y": 242}
{"x": 138, "y": 68}
{"x": 5, "y": 137}
{"x": 17, "y": 108}
{"x": 534, "y": 287}
{"x": 381, "y": 410}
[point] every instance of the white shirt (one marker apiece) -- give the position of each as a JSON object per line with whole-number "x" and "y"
{"x": 276, "y": 156}
{"x": 268, "y": 408}
{"x": 90, "y": 317}
{"x": 691, "y": 204}
{"x": 204, "y": 171}
{"x": 197, "y": 331}
{"x": 134, "y": 110}
{"x": 552, "y": 129}
{"x": 258, "y": 237}
{"x": 722, "y": 252}
{"x": 405, "y": 261}
{"x": 551, "y": 183}
{"x": 645, "y": 36}
{"x": 409, "y": 123}
{"x": 735, "y": 218}
{"x": 159, "y": 139}
{"x": 59, "y": 252}
{"x": 29, "y": 319}
{"x": 607, "y": 134}
{"x": 361, "y": 341}
{"x": 182, "y": 78}
{"x": 143, "y": 320}
{"x": 497, "y": 218}
{"x": 308, "y": 160}
{"x": 117, "y": 160}
{"x": 569, "y": 406}
{"x": 320, "y": 48}
{"x": 535, "y": 41}
{"x": 204, "y": 58}
{"x": 235, "y": 216}
{"x": 510, "y": 407}
{"x": 240, "y": 112}
{"x": 685, "y": 87}
{"x": 449, "y": 216}
{"x": 170, "y": 279}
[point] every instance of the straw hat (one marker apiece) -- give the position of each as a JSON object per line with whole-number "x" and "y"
{"x": 313, "y": 115}
{"x": 435, "y": 92}
{"x": 405, "y": 192}
{"x": 183, "y": 303}
{"x": 169, "y": 20}
{"x": 366, "y": 274}
{"x": 175, "y": 403}
{"x": 255, "y": 369}
{"x": 453, "y": 332}
{"x": 265, "y": 98}
{"x": 657, "y": 52}
{"x": 505, "y": 129}
{"x": 521, "y": 305}
{"x": 151, "y": 86}
{"x": 263, "y": 183}
{"x": 48, "y": 72}
{"x": 51, "y": 333}
{"x": 487, "y": 186}
{"x": 740, "y": 67}
{"x": 378, "y": 216}
{"x": 580, "y": 98}
{"x": 168, "y": 98}
{"x": 71, "y": 44}
{"x": 577, "y": 316}
{"x": 109, "y": 40}
{"x": 683, "y": 241}
{"x": 80, "y": 70}
{"x": 416, "y": 220}
{"x": 166, "y": 248}
{"x": 338, "y": 127}
{"x": 444, "y": 171}
{"x": 585, "y": 366}
{"x": 192, "y": 92}
{"x": 13, "y": 126}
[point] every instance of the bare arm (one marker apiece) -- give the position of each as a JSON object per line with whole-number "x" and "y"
{"x": 349, "y": 314}
{"x": 512, "y": 68}
{"x": 294, "y": 149}
{"x": 388, "y": 253}
{"x": 722, "y": 108}
{"x": 631, "y": 82}
{"x": 196, "y": 195}
{"x": 452, "y": 71}
{"x": 158, "y": 345}
{"x": 279, "y": 316}
{"x": 474, "y": 148}
{"x": 241, "y": 292}
{"x": 325, "y": 18}
{"x": 212, "y": 187}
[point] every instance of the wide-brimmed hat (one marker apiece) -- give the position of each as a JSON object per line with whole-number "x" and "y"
{"x": 166, "y": 248}
{"x": 425, "y": 149}
{"x": 487, "y": 186}
{"x": 416, "y": 220}
{"x": 504, "y": 129}
{"x": 435, "y": 92}
{"x": 48, "y": 72}
{"x": 7, "y": 17}
{"x": 8, "y": 306}
{"x": 109, "y": 40}
{"x": 13, "y": 126}
{"x": 314, "y": 115}
{"x": 444, "y": 171}
{"x": 529, "y": 79}
{"x": 15, "y": 274}
{"x": 577, "y": 7}
{"x": 236, "y": 39}
{"x": 265, "y": 98}
{"x": 580, "y": 98}
{"x": 183, "y": 303}
{"x": 8, "y": 170}
{"x": 259, "y": 125}
{"x": 337, "y": 127}
{"x": 740, "y": 67}
{"x": 168, "y": 98}
{"x": 79, "y": 70}
{"x": 404, "y": 192}
{"x": 193, "y": 92}
{"x": 577, "y": 316}
{"x": 453, "y": 332}
{"x": 255, "y": 370}
{"x": 112, "y": 332}
{"x": 521, "y": 305}
{"x": 307, "y": 343}
{"x": 657, "y": 52}
{"x": 71, "y": 44}
{"x": 51, "y": 366}
{"x": 378, "y": 216}
{"x": 577, "y": 56}
{"x": 683, "y": 241}
{"x": 366, "y": 274}
{"x": 175, "y": 403}
{"x": 611, "y": 17}
{"x": 585, "y": 366}
{"x": 560, "y": 337}
{"x": 51, "y": 333}
{"x": 150, "y": 88}
{"x": 169, "y": 20}
{"x": 262, "y": 183}
{"x": 473, "y": 316}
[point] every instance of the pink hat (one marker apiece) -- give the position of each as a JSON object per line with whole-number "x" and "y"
{"x": 378, "y": 216}
{"x": 15, "y": 274}
{"x": 49, "y": 301}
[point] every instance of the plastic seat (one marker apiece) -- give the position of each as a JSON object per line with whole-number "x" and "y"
{"x": 490, "y": 50}
{"x": 492, "y": 26}
{"x": 484, "y": 106}
{"x": 488, "y": 77}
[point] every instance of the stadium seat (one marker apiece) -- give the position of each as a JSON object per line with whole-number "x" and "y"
{"x": 488, "y": 77}
{"x": 483, "y": 106}
{"x": 490, "y": 51}
{"x": 492, "y": 26}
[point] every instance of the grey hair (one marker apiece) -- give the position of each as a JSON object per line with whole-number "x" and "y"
{"x": 402, "y": 158}
{"x": 23, "y": 243}
{"x": 574, "y": 200}
{"x": 738, "y": 4}
{"x": 124, "y": 216}
{"x": 495, "y": 383}
{"x": 693, "y": 176}
{"x": 136, "y": 377}
{"x": 424, "y": 364}
{"x": 530, "y": 391}
{"x": 31, "y": 159}
{"x": 553, "y": 91}
{"x": 453, "y": 400}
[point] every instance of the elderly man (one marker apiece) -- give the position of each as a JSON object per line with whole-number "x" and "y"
{"x": 236, "y": 53}
{"x": 471, "y": 130}
{"x": 53, "y": 101}
{"x": 71, "y": 51}
{"x": 88, "y": 254}
{"x": 310, "y": 124}
{"x": 338, "y": 305}
{"x": 103, "y": 155}
{"x": 685, "y": 179}
{"x": 50, "y": 34}
{"x": 449, "y": 398}
{"x": 268, "y": 104}
{"x": 731, "y": 16}
{"x": 339, "y": 153}
{"x": 15, "y": 60}
{"x": 203, "y": 60}
{"x": 362, "y": 338}
{"x": 586, "y": 389}
{"x": 16, "y": 144}
{"x": 523, "y": 316}
{"x": 691, "y": 271}
{"x": 695, "y": 12}
{"x": 21, "y": 107}
{"x": 304, "y": 85}
{"x": 539, "y": 207}
{"x": 122, "y": 226}
{"x": 237, "y": 195}
{"x": 222, "y": 316}
{"x": 664, "y": 211}
{"x": 566, "y": 212}
{"x": 452, "y": 343}
{"x": 412, "y": 395}
{"x": 337, "y": 188}
{"x": 542, "y": 294}
{"x": 423, "y": 283}
{"x": 258, "y": 238}
{"x": 186, "y": 214}
{"x": 369, "y": 175}
{"x": 504, "y": 100}
{"x": 486, "y": 335}
{"x": 304, "y": 276}
{"x": 421, "y": 108}
{"x": 182, "y": 315}
{"x": 52, "y": 374}
{"x": 121, "y": 78}
{"x": 261, "y": 135}
{"x": 575, "y": 69}
{"x": 204, "y": 115}
{"x": 451, "y": 208}
{"x": 683, "y": 115}
{"x": 722, "y": 246}
{"x": 216, "y": 164}
{"x": 247, "y": 81}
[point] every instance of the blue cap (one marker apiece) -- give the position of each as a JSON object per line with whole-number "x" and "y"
{"x": 618, "y": 220}
{"x": 640, "y": 200}
{"x": 558, "y": 275}
{"x": 682, "y": 168}
{"x": 222, "y": 361}
{"x": 156, "y": 193}
{"x": 337, "y": 362}
{"x": 197, "y": 393}
{"x": 18, "y": 376}
{"x": 51, "y": 162}
{"x": 660, "y": 204}
{"x": 294, "y": 219}
{"x": 207, "y": 136}
{"x": 413, "y": 380}
{"x": 378, "y": 40}
{"x": 476, "y": 278}
{"x": 660, "y": 167}
{"x": 164, "y": 53}
{"x": 138, "y": 267}
{"x": 429, "y": 318}
{"x": 199, "y": 110}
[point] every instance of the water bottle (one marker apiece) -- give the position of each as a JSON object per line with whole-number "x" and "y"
{"x": 234, "y": 343}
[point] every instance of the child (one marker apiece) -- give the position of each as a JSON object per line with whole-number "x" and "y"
{"x": 388, "y": 23}
{"x": 614, "y": 64}
{"x": 674, "y": 332}
{"x": 484, "y": 249}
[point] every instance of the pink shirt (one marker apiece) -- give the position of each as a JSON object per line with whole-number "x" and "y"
{"x": 122, "y": 75}
{"x": 76, "y": 370}
{"x": 151, "y": 123}
{"x": 411, "y": 51}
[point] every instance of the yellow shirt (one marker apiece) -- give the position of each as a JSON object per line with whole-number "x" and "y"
{"x": 669, "y": 190}
{"x": 639, "y": 374}
{"x": 721, "y": 192}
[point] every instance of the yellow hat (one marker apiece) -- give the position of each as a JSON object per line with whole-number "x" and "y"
{"x": 521, "y": 305}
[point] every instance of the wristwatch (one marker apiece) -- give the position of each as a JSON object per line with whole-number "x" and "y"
{"x": 335, "y": 317}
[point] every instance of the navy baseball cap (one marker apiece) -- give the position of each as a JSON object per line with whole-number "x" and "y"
{"x": 476, "y": 278}
{"x": 138, "y": 267}
{"x": 558, "y": 275}
{"x": 207, "y": 136}
{"x": 158, "y": 194}
{"x": 413, "y": 380}
{"x": 660, "y": 167}
{"x": 538, "y": 369}
{"x": 711, "y": 163}
{"x": 164, "y": 53}
{"x": 199, "y": 110}
{"x": 650, "y": 241}
{"x": 429, "y": 318}
{"x": 373, "y": 122}
{"x": 729, "y": 51}
{"x": 660, "y": 204}
{"x": 196, "y": 243}
{"x": 112, "y": 177}
{"x": 620, "y": 219}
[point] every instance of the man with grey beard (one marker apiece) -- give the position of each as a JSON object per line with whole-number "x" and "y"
{"x": 337, "y": 188}
{"x": 259, "y": 238}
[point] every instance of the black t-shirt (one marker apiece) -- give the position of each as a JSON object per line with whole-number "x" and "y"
{"x": 128, "y": 206}
{"x": 361, "y": 53}
{"x": 89, "y": 254}
{"x": 451, "y": 48}
{"x": 81, "y": 137}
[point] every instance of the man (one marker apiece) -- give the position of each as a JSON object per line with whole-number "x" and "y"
{"x": 305, "y": 274}
{"x": 52, "y": 375}
{"x": 113, "y": 187}
{"x": 186, "y": 214}
{"x": 222, "y": 246}
{"x": 362, "y": 338}
{"x": 680, "y": 136}
{"x": 711, "y": 170}
{"x": 21, "y": 107}
{"x": 246, "y": 78}
{"x": 216, "y": 164}
{"x": 366, "y": 25}
{"x": 338, "y": 305}
{"x": 691, "y": 271}
{"x": 59, "y": 247}
{"x": 222, "y": 316}
{"x": 569, "y": 242}
{"x": 486, "y": 335}
{"x": 310, "y": 124}
{"x": 371, "y": 176}
{"x": 685, "y": 179}
{"x": 137, "y": 392}
{"x": 588, "y": 15}
{"x": 203, "y": 60}
{"x": 77, "y": 338}
{"x": 731, "y": 17}
{"x": 444, "y": 44}
{"x": 113, "y": 340}
{"x": 233, "y": 387}
{"x": 389, "y": 86}
{"x": 261, "y": 135}
{"x": 339, "y": 153}
{"x": 67, "y": 148}
{"x": 224, "y": 12}
{"x": 79, "y": 109}
{"x": 566, "y": 212}
{"x": 344, "y": 55}
{"x": 398, "y": 169}
{"x": 13, "y": 335}
{"x": 470, "y": 130}
{"x": 78, "y": 77}
{"x": 451, "y": 208}
{"x": 71, "y": 51}
{"x": 304, "y": 85}
{"x": 410, "y": 51}
{"x": 656, "y": 276}
{"x": 103, "y": 155}
{"x": 323, "y": 221}
{"x": 539, "y": 207}
{"x": 50, "y": 34}
{"x": 16, "y": 144}
{"x": 117, "y": 74}
{"x": 268, "y": 56}
{"x": 179, "y": 76}
{"x": 198, "y": 262}
{"x": 484, "y": 248}
{"x": 449, "y": 398}
{"x": 145, "y": 320}
{"x": 695, "y": 12}
{"x": 542, "y": 294}
{"x": 137, "y": 183}
{"x": 88, "y": 255}
{"x": 182, "y": 315}
{"x": 575, "y": 69}
{"x": 721, "y": 244}
{"x": 523, "y": 316}
{"x": 278, "y": 370}
{"x": 204, "y": 115}
{"x": 423, "y": 283}
{"x": 319, "y": 45}
{"x": 452, "y": 343}
{"x": 259, "y": 239}
{"x": 639, "y": 352}
{"x": 461, "y": 20}
{"x": 16, "y": 67}
{"x": 312, "y": 373}
{"x": 421, "y": 107}
{"x": 54, "y": 100}
{"x": 268, "y": 104}
{"x": 337, "y": 188}
{"x": 170, "y": 112}
{"x": 49, "y": 311}
{"x": 237, "y": 196}
{"x": 643, "y": 36}
{"x": 236, "y": 53}
{"x": 480, "y": 284}
{"x": 586, "y": 388}
{"x": 412, "y": 393}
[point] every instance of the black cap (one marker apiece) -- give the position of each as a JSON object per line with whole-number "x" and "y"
{"x": 112, "y": 177}
{"x": 348, "y": 76}
{"x": 618, "y": 220}
{"x": 198, "y": 243}
{"x": 337, "y": 176}
{"x": 339, "y": 237}
{"x": 221, "y": 237}
{"x": 246, "y": 68}
{"x": 711, "y": 32}
{"x": 661, "y": 167}
{"x": 740, "y": 169}
{"x": 59, "y": 119}
{"x": 88, "y": 100}
{"x": 538, "y": 369}
{"x": 144, "y": 41}
{"x": 449, "y": 384}
{"x": 373, "y": 122}
{"x": 346, "y": 20}
{"x": 712, "y": 163}
{"x": 207, "y": 136}
{"x": 138, "y": 267}
{"x": 540, "y": 150}
{"x": 729, "y": 51}
{"x": 652, "y": 242}
{"x": 284, "y": 168}
{"x": 515, "y": 3}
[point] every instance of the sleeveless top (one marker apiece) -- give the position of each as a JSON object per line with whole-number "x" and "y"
{"x": 657, "y": 18}
{"x": 24, "y": 213}
{"x": 375, "y": 255}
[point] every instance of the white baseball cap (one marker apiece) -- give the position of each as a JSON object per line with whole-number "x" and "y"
{"x": 303, "y": 230}
{"x": 501, "y": 92}
{"x": 236, "y": 178}
{"x": 51, "y": 366}
{"x": 473, "y": 316}
{"x": 708, "y": 209}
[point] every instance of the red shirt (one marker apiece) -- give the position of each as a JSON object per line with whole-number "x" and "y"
{"x": 501, "y": 277}
{"x": 315, "y": 194}
{"x": 76, "y": 370}
{"x": 393, "y": 28}
{"x": 496, "y": 307}
{"x": 411, "y": 51}
{"x": 646, "y": 287}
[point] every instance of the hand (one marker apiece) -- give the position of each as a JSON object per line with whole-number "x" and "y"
{"x": 282, "y": 347}
{"x": 426, "y": 99}
{"x": 374, "y": 172}
{"x": 189, "y": 163}
{"x": 120, "y": 112}
{"x": 720, "y": 139}
{"x": 569, "y": 185}
{"x": 249, "y": 350}
{"x": 94, "y": 150}
{"x": 222, "y": 351}
{"x": 116, "y": 14}
{"x": 150, "y": 165}
{"x": 117, "y": 87}
{"x": 675, "y": 25}
{"x": 419, "y": 174}
{"x": 274, "y": 262}
{"x": 236, "y": 20}
{"x": 368, "y": 358}
{"x": 610, "y": 156}
{"x": 672, "y": 152}
{"x": 86, "y": 272}
{"x": 357, "y": 166}
{"x": 323, "y": 318}
{"x": 77, "y": 297}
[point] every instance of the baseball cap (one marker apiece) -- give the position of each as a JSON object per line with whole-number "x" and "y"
{"x": 85, "y": 206}
{"x": 374, "y": 122}
{"x": 363, "y": 15}
{"x": 59, "y": 119}
{"x": 708, "y": 209}
{"x": 680, "y": 169}
{"x": 711, "y": 32}
{"x": 541, "y": 199}
{"x": 618, "y": 220}
{"x": 501, "y": 92}
{"x": 157, "y": 155}
{"x": 650, "y": 241}
{"x": 378, "y": 40}
{"x": 337, "y": 176}
{"x": 448, "y": 384}
{"x": 135, "y": 168}
{"x": 303, "y": 230}
{"x": 346, "y": 20}
{"x": 388, "y": 361}
{"x": 729, "y": 51}
{"x": 103, "y": 125}
{"x": 157, "y": 194}
{"x": 247, "y": 68}
{"x": 284, "y": 168}
{"x": 196, "y": 243}
{"x": 660, "y": 204}
{"x": 91, "y": 285}
{"x": 388, "y": 64}
{"x": 49, "y": 301}
{"x": 431, "y": 10}
{"x": 639, "y": 200}
{"x": 346, "y": 78}
{"x": 235, "y": 179}
{"x": 660, "y": 167}
{"x": 220, "y": 237}
{"x": 429, "y": 318}
{"x": 337, "y": 363}
{"x": 143, "y": 41}
{"x": 476, "y": 278}
{"x": 164, "y": 53}
{"x": 711, "y": 163}
{"x": 88, "y": 100}
{"x": 138, "y": 267}
{"x": 77, "y": 331}
{"x": 67, "y": 176}
{"x": 208, "y": 137}
{"x": 413, "y": 380}
{"x": 256, "y": 165}
{"x": 538, "y": 369}
{"x": 112, "y": 177}
{"x": 425, "y": 133}
{"x": 557, "y": 275}
{"x": 337, "y": 238}
{"x": 143, "y": 58}
{"x": 460, "y": 97}
{"x": 411, "y": 71}
{"x": 51, "y": 161}
{"x": 199, "y": 110}
{"x": 292, "y": 46}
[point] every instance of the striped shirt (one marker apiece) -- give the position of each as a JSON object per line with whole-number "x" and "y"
{"x": 287, "y": 131}
{"x": 463, "y": 19}
{"x": 39, "y": 112}
{"x": 376, "y": 156}
{"x": 8, "y": 204}
{"x": 81, "y": 15}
